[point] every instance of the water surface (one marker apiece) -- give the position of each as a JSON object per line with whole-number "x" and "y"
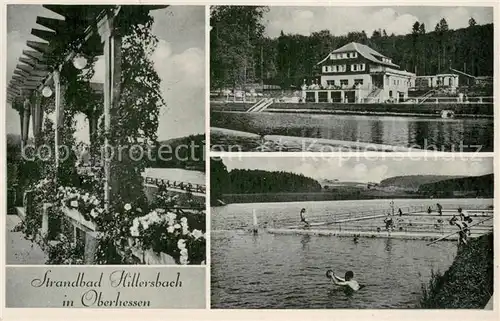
{"x": 418, "y": 132}
{"x": 288, "y": 271}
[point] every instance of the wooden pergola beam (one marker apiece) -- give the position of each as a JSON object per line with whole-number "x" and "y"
{"x": 43, "y": 34}
{"x": 38, "y": 46}
{"x": 36, "y": 55}
{"x": 50, "y": 23}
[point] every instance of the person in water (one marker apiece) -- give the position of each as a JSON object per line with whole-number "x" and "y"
{"x": 346, "y": 282}
{"x": 303, "y": 217}
{"x": 400, "y": 212}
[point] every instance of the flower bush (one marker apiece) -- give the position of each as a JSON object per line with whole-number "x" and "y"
{"x": 170, "y": 233}
{"x": 90, "y": 206}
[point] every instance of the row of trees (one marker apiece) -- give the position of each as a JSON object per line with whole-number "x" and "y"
{"x": 244, "y": 181}
{"x": 242, "y": 54}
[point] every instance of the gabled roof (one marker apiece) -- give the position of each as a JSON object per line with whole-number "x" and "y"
{"x": 364, "y": 51}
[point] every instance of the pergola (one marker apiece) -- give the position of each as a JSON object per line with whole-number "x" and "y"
{"x": 92, "y": 28}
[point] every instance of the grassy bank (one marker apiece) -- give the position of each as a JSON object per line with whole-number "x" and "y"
{"x": 468, "y": 283}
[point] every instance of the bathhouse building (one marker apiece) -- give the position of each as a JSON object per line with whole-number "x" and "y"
{"x": 357, "y": 73}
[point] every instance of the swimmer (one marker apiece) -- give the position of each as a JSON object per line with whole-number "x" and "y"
{"x": 348, "y": 281}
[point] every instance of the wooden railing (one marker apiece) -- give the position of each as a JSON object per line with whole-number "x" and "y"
{"x": 197, "y": 189}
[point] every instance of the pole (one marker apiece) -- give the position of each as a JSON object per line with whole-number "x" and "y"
{"x": 442, "y": 238}
{"x": 112, "y": 81}
{"x": 255, "y": 223}
{"x": 57, "y": 89}
{"x": 262, "y": 67}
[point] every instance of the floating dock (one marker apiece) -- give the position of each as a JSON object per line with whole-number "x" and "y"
{"x": 414, "y": 226}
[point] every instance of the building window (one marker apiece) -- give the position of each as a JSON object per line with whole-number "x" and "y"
{"x": 354, "y": 67}
{"x": 358, "y": 82}
{"x": 344, "y": 82}
{"x": 362, "y": 67}
{"x": 330, "y": 82}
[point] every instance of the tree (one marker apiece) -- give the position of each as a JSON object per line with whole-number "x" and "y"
{"x": 443, "y": 25}
{"x": 236, "y": 32}
{"x": 416, "y": 27}
{"x": 376, "y": 34}
{"x": 421, "y": 29}
{"x": 472, "y": 22}
{"x": 384, "y": 33}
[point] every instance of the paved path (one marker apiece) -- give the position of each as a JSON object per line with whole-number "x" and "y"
{"x": 19, "y": 249}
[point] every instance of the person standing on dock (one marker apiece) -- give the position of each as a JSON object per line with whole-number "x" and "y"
{"x": 440, "y": 209}
{"x": 303, "y": 217}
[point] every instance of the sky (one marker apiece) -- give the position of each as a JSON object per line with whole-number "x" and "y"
{"x": 364, "y": 169}
{"x": 179, "y": 60}
{"x": 341, "y": 20}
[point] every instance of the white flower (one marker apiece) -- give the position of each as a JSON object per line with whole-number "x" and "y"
{"x": 170, "y": 229}
{"x": 145, "y": 225}
{"x": 134, "y": 231}
{"x": 74, "y": 204}
{"x": 177, "y": 226}
{"x": 185, "y": 231}
{"x": 183, "y": 260}
{"x": 154, "y": 217}
{"x": 184, "y": 252}
{"x": 128, "y": 207}
{"x": 93, "y": 213}
{"x": 96, "y": 202}
{"x": 85, "y": 198}
{"x": 160, "y": 210}
{"x": 197, "y": 234}
{"x": 184, "y": 220}
{"x": 171, "y": 216}
{"x": 135, "y": 222}
{"x": 181, "y": 244}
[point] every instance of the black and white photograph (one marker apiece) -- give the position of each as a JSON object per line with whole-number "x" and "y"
{"x": 351, "y": 233}
{"x": 357, "y": 78}
{"x": 105, "y": 122}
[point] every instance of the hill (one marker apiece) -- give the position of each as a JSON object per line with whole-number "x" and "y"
{"x": 477, "y": 186}
{"x": 184, "y": 152}
{"x": 414, "y": 181}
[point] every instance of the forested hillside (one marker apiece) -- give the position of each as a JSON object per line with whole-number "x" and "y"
{"x": 241, "y": 53}
{"x": 481, "y": 186}
{"x": 414, "y": 181}
{"x": 243, "y": 181}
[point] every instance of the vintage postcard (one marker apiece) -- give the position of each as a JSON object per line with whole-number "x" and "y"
{"x": 357, "y": 78}
{"x": 105, "y": 156}
{"x": 249, "y": 160}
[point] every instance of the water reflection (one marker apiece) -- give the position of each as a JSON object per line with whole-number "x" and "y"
{"x": 306, "y": 238}
{"x": 429, "y": 133}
